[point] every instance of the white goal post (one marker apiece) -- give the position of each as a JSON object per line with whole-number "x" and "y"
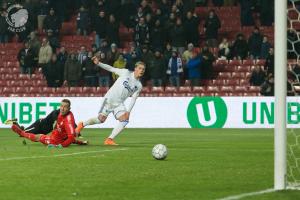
{"x": 280, "y": 56}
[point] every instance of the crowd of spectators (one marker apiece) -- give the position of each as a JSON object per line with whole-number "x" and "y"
{"x": 165, "y": 36}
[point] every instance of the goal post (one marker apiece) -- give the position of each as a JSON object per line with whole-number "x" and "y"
{"x": 280, "y": 57}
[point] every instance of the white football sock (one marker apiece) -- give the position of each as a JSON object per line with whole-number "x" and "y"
{"x": 92, "y": 121}
{"x": 120, "y": 126}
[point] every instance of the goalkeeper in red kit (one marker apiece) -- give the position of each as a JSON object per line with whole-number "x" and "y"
{"x": 63, "y": 134}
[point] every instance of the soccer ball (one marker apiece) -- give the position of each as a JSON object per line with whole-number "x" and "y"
{"x": 159, "y": 152}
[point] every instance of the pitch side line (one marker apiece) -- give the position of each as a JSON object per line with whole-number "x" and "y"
{"x": 61, "y": 155}
{"x": 236, "y": 197}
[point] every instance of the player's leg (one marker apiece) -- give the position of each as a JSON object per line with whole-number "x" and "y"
{"x": 123, "y": 116}
{"x": 30, "y": 136}
{"x": 103, "y": 113}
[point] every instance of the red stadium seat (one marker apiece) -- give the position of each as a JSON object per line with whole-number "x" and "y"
{"x": 238, "y": 75}
{"x": 73, "y": 90}
{"x": 62, "y": 90}
{"x": 21, "y": 90}
{"x": 184, "y": 89}
{"x": 248, "y": 62}
{"x": 212, "y": 89}
{"x": 226, "y": 89}
{"x": 240, "y": 89}
{"x": 157, "y": 89}
{"x": 36, "y": 90}
{"x": 102, "y": 90}
{"x": 225, "y": 75}
{"x": 48, "y": 90}
{"x": 234, "y": 62}
{"x": 198, "y": 89}
{"x": 170, "y": 89}
{"x": 146, "y": 90}
{"x": 254, "y": 89}
{"x": 244, "y": 82}
{"x": 8, "y": 90}
{"x": 244, "y": 68}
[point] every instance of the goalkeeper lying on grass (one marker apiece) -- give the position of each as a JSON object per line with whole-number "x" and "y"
{"x": 63, "y": 134}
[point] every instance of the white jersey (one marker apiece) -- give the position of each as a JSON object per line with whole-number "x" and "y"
{"x": 125, "y": 86}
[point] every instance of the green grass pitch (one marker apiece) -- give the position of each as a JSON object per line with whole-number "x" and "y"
{"x": 201, "y": 164}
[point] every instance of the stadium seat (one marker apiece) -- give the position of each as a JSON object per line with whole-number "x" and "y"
{"x": 157, "y": 89}
{"x": 24, "y": 77}
{"x": 89, "y": 90}
{"x": 21, "y": 90}
{"x": 232, "y": 82}
{"x": 212, "y": 89}
{"x": 204, "y": 94}
{"x": 74, "y": 90}
{"x": 48, "y": 90}
{"x": 260, "y": 62}
{"x": 244, "y": 82}
{"x": 36, "y": 90}
{"x": 244, "y": 68}
{"x": 221, "y": 94}
{"x": 248, "y": 62}
{"x": 101, "y": 90}
{"x": 254, "y": 89}
{"x": 238, "y": 75}
{"x": 8, "y": 90}
{"x": 198, "y": 89}
{"x": 62, "y": 90}
{"x": 240, "y": 89}
{"x": 146, "y": 90}
{"x": 170, "y": 89}
{"x": 234, "y": 62}
{"x": 187, "y": 83}
{"x": 226, "y": 89}
{"x": 176, "y": 94}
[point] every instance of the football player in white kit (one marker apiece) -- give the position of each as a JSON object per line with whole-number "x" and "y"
{"x": 128, "y": 84}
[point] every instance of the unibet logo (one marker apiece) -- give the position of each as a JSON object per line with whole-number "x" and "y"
{"x": 207, "y": 112}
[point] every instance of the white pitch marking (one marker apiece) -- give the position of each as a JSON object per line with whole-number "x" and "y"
{"x": 60, "y": 155}
{"x": 240, "y": 196}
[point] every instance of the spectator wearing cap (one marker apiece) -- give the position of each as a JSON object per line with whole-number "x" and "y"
{"x": 120, "y": 63}
{"x": 99, "y": 27}
{"x": 157, "y": 36}
{"x": 178, "y": 37}
{"x": 72, "y": 71}
{"x": 175, "y": 69}
{"x": 156, "y": 69}
{"x": 52, "y": 22}
{"x": 191, "y": 24}
{"x": 211, "y": 27}
{"x": 112, "y": 31}
{"x": 254, "y": 43}
{"x": 3, "y": 27}
{"x": 141, "y": 33}
{"x": 82, "y": 21}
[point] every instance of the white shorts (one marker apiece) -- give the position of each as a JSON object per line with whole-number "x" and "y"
{"x": 117, "y": 110}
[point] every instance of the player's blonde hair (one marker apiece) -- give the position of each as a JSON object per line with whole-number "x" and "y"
{"x": 140, "y": 63}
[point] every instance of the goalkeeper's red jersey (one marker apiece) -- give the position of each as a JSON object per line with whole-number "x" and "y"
{"x": 65, "y": 130}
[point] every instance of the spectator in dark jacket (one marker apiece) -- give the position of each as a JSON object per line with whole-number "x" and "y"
{"x": 52, "y": 22}
{"x": 193, "y": 67}
{"x": 89, "y": 70}
{"x": 35, "y": 45}
{"x": 265, "y": 47}
{"x": 207, "y": 63}
{"x": 254, "y": 44}
{"x": 102, "y": 74}
{"x": 247, "y": 12}
{"x": 112, "y": 31}
{"x": 211, "y": 27}
{"x": 267, "y": 88}
{"x": 53, "y": 40}
{"x": 266, "y": 12}
{"x": 269, "y": 65}
{"x": 141, "y": 33}
{"x": 3, "y": 27}
{"x": 54, "y": 72}
{"x": 72, "y": 71}
{"x": 240, "y": 47}
{"x": 178, "y": 37}
{"x": 175, "y": 69}
{"x": 157, "y": 68}
{"x": 191, "y": 28}
{"x": 258, "y": 76}
{"x": 82, "y": 55}
{"x": 62, "y": 56}
{"x": 100, "y": 28}
{"x": 82, "y": 21}
{"x": 157, "y": 36}
{"x": 26, "y": 59}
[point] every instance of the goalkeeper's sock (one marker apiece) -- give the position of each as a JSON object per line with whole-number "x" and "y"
{"x": 120, "y": 126}
{"x": 30, "y": 136}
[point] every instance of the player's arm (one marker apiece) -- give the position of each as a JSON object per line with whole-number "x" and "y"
{"x": 70, "y": 129}
{"x": 108, "y": 67}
